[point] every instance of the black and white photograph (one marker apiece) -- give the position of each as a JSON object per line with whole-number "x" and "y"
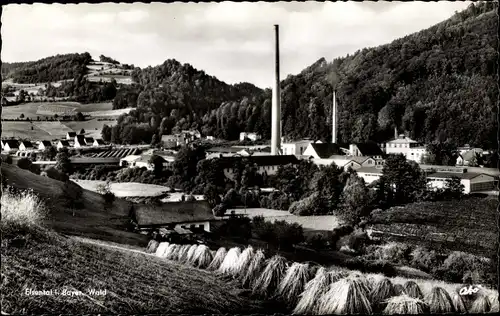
{"x": 250, "y": 158}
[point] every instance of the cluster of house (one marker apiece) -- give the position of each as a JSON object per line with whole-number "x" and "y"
{"x": 26, "y": 148}
{"x": 180, "y": 139}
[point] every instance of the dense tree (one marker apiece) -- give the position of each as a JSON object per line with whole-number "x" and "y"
{"x": 157, "y": 163}
{"x": 403, "y": 179}
{"x": 63, "y": 162}
{"x": 185, "y": 167}
{"x": 356, "y": 200}
{"x": 442, "y": 154}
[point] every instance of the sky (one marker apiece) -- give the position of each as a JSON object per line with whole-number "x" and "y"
{"x": 232, "y": 41}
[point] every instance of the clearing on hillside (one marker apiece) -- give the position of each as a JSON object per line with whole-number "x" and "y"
{"x": 22, "y": 129}
{"x": 56, "y": 129}
{"x": 125, "y": 189}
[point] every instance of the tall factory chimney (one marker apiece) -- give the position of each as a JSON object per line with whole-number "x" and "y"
{"x": 276, "y": 105}
{"x": 334, "y": 119}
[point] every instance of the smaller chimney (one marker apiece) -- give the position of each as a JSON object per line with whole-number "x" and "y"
{"x": 395, "y": 132}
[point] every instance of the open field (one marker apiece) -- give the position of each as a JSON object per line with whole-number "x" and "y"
{"x": 23, "y": 129}
{"x": 468, "y": 225}
{"x": 92, "y": 127}
{"x": 314, "y": 223}
{"x": 124, "y": 189}
{"x": 43, "y": 109}
{"x": 56, "y": 129}
{"x": 115, "y": 113}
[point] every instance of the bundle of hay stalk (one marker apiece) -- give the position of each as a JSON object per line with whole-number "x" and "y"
{"x": 458, "y": 303}
{"x": 228, "y": 265}
{"x": 413, "y": 290}
{"x": 182, "y": 253}
{"x": 313, "y": 290}
{"x": 399, "y": 289}
{"x": 405, "y": 305}
{"x": 218, "y": 259}
{"x": 202, "y": 257}
{"x": 152, "y": 246}
{"x": 439, "y": 301}
{"x": 294, "y": 282}
{"x": 382, "y": 291}
{"x": 254, "y": 269}
{"x": 171, "y": 252}
{"x": 481, "y": 305}
{"x": 243, "y": 262}
{"x": 271, "y": 276}
{"x": 190, "y": 254}
{"x": 347, "y": 296}
{"x": 493, "y": 297}
{"x": 161, "y": 249}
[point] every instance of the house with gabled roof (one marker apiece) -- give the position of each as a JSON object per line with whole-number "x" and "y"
{"x": 324, "y": 150}
{"x": 267, "y": 164}
{"x": 10, "y": 144}
{"x": 26, "y": 145}
{"x": 98, "y": 142}
{"x": 44, "y": 144}
{"x": 368, "y": 149}
{"x": 63, "y": 144}
{"x": 70, "y": 135}
{"x": 79, "y": 141}
{"x": 184, "y": 214}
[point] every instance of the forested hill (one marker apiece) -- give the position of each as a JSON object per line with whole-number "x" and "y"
{"x": 50, "y": 69}
{"x": 435, "y": 85}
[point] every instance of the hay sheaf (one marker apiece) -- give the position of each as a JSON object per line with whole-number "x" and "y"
{"x": 182, "y": 253}
{"x": 243, "y": 261}
{"x": 481, "y": 305}
{"x": 347, "y": 296}
{"x": 313, "y": 290}
{"x": 218, "y": 259}
{"x": 254, "y": 269}
{"x": 228, "y": 266}
{"x": 152, "y": 246}
{"x": 413, "y": 290}
{"x": 202, "y": 257}
{"x": 405, "y": 305}
{"x": 269, "y": 280}
{"x": 190, "y": 254}
{"x": 458, "y": 303}
{"x": 439, "y": 301}
{"x": 161, "y": 249}
{"x": 399, "y": 289}
{"x": 493, "y": 297}
{"x": 294, "y": 282}
{"x": 171, "y": 252}
{"x": 382, "y": 291}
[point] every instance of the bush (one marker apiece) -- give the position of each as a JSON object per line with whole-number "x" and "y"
{"x": 356, "y": 241}
{"x": 316, "y": 241}
{"x": 461, "y": 267}
{"x": 372, "y": 266}
{"x": 424, "y": 259}
{"x": 24, "y": 163}
{"x": 306, "y": 206}
{"x": 397, "y": 253}
{"x": 52, "y": 173}
{"x": 190, "y": 198}
{"x": 279, "y": 233}
{"x": 339, "y": 232}
{"x": 21, "y": 208}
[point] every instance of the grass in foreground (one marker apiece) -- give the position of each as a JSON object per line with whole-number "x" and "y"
{"x": 33, "y": 257}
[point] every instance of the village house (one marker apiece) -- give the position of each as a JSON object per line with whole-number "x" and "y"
{"x": 249, "y": 136}
{"x": 368, "y": 149}
{"x": 10, "y": 145}
{"x": 63, "y": 144}
{"x": 265, "y": 164}
{"x": 79, "y": 141}
{"x": 370, "y": 174}
{"x": 173, "y": 141}
{"x": 128, "y": 160}
{"x": 323, "y": 150}
{"x": 89, "y": 141}
{"x": 98, "y": 143}
{"x": 26, "y": 145}
{"x": 472, "y": 181}
{"x": 70, "y": 135}
{"x": 186, "y": 215}
{"x": 401, "y": 145}
{"x": 44, "y": 144}
{"x": 417, "y": 154}
{"x": 296, "y": 148}
{"x": 143, "y": 161}
{"x": 469, "y": 157}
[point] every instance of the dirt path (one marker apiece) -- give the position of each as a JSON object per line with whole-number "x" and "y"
{"x": 110, "y": 245}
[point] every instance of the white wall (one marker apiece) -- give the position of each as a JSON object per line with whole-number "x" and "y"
{"x": 206, "y": 225}
{"x": 369, "y": 177}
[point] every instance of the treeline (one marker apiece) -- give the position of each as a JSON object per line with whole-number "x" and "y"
{"x": 110, "y": 60}
{"x": 84, "y": 91}
{"x": 50, "y": 69}
{"x": 435, "y": 85}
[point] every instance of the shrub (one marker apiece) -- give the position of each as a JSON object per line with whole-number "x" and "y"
{"x": 424, "y": 259}
{"x": 395, "y": 252}
{"x": 465, "y": 267}
{"x": 306, "y": 206}
{"x": 52, "y": 173}
{"x": 24, "y": 163}
{"x": 21, "y": 208}
{"x": 316, "y": 241}
{"x": 355, "y": 241}
{"x": 339, "y": 232}
{"x": 279, "y": 233}
{"x": 190, "y": 198}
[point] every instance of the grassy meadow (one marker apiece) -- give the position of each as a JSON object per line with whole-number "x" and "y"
{"x": 125, "y": 189}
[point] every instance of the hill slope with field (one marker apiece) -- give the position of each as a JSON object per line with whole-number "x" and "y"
{"x": 76, "y": 211}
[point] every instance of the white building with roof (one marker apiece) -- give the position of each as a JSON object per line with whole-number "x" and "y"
{"x": 296, "y": 148}
{"x": 410, "y": 148}
{"x": 250, "y": 136}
